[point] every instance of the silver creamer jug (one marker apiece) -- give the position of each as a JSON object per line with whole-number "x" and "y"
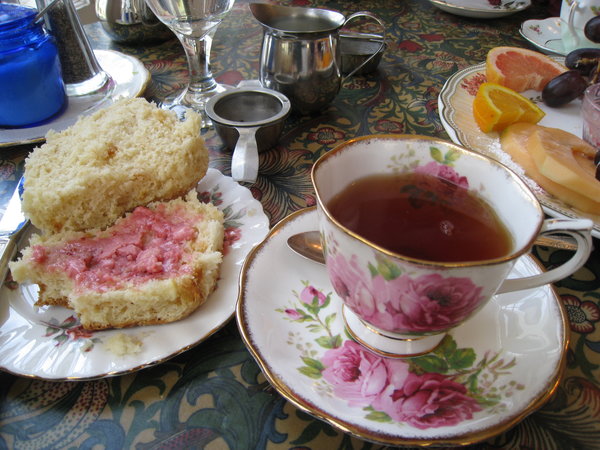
{"x": 301, "y": 55}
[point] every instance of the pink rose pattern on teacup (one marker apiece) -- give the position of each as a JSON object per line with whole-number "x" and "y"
{"x": 444, "y": 171}
{"x": 391, "y": 300}
{"x": 402, "y": 304}
{"x": 443, "y": 388}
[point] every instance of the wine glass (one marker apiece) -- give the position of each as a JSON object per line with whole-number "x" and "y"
{"x": 194, "y": 22}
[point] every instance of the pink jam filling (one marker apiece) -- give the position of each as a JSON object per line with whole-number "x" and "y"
{"x": 148, "y": 244}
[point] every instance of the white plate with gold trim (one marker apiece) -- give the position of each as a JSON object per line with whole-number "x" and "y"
{"x": 455, "y": 108}
{"x": 482, "y": 9}
{"x": 49, "y": 343}
{"x": 478, "y": 383}
{"x": 130, "y": 79}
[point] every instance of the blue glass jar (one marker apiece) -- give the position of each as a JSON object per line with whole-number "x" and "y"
{"x": 31, "y": 85}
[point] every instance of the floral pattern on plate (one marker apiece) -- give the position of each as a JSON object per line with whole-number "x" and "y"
{"x": 49, "y": 342}
{"x": 443, "y": 388}
{"x": 482, "y": 9}
{"x": 483, "y": 366}
{"x": 455, "y": 107}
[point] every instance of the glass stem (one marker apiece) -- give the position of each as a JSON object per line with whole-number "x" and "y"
{"x": 198, "y": 56}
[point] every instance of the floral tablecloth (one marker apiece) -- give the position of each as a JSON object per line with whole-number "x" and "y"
{"x": 214, "y": 395}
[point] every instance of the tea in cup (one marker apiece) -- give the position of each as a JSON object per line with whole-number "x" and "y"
{"x": 574, "y": 14}
{"x": 418, "y": 234}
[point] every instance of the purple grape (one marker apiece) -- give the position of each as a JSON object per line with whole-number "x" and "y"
{"x": 592, "y": 29}
{"x": 565, "y": 87}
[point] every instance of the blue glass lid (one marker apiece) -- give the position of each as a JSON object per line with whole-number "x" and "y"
{"x": 15, "y": 16}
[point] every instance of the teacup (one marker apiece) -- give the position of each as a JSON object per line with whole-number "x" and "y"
{"x": 399, "y": 302}
{"x": 574, "y": 14}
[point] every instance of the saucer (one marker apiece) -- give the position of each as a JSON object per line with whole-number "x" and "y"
{"x": 544, "y": 35}
{"x": 478, "y": 382}
{"x": 481, "y": 9}
{"x": 130, "y": 79}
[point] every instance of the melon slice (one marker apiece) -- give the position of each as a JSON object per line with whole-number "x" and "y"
{"x": 566, "y": 160}
{"x": 514, "y": 141}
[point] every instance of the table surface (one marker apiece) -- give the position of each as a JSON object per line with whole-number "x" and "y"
{"x": 214, "y": 395}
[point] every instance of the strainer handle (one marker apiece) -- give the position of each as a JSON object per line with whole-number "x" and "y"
{"x": 244, "y": 161}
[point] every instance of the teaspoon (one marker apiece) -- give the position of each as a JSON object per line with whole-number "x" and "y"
{"x": 308, "y": 244}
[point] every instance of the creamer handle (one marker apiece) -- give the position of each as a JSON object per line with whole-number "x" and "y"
{"x": 381, "y": 46}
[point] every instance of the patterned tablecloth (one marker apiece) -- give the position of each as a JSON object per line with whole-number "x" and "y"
{"x": 214, "y": 395}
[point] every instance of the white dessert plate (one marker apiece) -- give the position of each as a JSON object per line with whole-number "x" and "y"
{"x": 478, "y": 383}
{"x": 130, "y": 79}
{"x": 481, "y": 9}
{"x": 455, "y": 107}
{"x": 544, "y": 35}
{"x": 49, "y": 343}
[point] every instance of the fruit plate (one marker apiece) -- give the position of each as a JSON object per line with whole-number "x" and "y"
{"x": 455, "y": 106}
{"x": 49, "y": 343}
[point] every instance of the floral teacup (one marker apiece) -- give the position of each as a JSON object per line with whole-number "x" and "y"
{"x": 574, "y": 14}
{"x": 403, "y": 306}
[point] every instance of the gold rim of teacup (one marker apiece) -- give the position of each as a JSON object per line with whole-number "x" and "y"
{"x": 410, "y": 137}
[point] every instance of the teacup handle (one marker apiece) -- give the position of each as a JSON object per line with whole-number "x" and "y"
{"x": 580, "y": 230}
{"x": 244, "y": 161}
{"x": 381, "y": 45}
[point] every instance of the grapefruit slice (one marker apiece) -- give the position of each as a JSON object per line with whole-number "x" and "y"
{"x": 514, "y": 141}
{"x": 521, "y": 69}
{"x": 495, "y": 107}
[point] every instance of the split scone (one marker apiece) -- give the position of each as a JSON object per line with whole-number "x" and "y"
{"x": 157, "y": 264}
{"x": 123, "y": 156}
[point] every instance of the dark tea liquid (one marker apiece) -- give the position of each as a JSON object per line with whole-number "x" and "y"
{"x": 423, "y": 217}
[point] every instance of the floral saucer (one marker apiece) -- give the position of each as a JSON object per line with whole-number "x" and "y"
{"x": 130, "y": 79}
{"x": 482, "y": 9}
{"x": 544, "y": 35}
{"x": 49, "y": 342}
{"x": 477, "y": 383}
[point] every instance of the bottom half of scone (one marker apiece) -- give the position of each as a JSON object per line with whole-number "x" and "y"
{"x": 156, "y": 265}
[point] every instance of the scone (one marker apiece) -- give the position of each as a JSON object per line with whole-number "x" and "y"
{"x": 155, "y": 265}
{"x": 128, "y": 154}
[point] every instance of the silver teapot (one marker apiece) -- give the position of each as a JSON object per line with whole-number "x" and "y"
{"x": 131, "y": 22}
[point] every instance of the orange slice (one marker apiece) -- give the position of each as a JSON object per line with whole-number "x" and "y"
{"x": 521, "y": 69}
{"x": 515, "y": 141}
{"x": 495, "y": 107}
